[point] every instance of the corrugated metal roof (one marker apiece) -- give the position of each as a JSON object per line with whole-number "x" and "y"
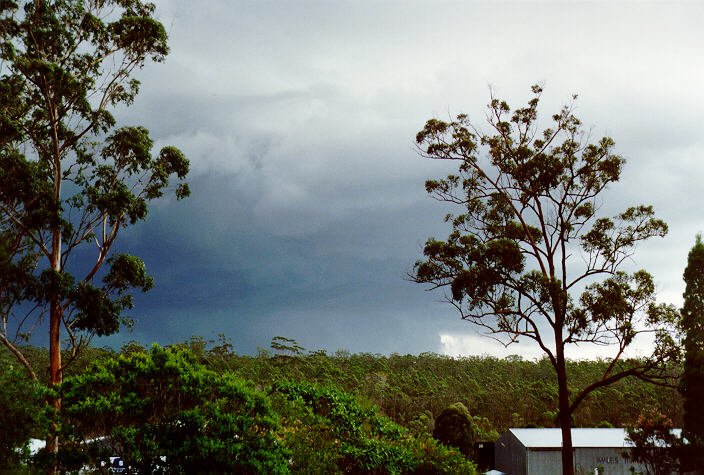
{"x": 552, "y": 438}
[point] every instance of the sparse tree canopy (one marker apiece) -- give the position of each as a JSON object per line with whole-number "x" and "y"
{"x": 285, "y": 345}
{"x": 529, "y": 257}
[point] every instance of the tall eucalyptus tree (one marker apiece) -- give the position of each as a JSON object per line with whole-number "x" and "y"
{"x": 529, "y": 257}
{"x": 69, "y": 179}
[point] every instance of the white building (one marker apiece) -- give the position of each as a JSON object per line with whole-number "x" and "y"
{"x": 538, "y": 451}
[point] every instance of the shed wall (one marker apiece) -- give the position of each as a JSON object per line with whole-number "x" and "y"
{"x": 544, "y": 461}
{"x": 524, "y": 461}
{"x": 510, "y": 455}
{"x": 586, "y": 459}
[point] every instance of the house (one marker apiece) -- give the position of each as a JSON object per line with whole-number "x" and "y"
{"x": 531, "y": 451}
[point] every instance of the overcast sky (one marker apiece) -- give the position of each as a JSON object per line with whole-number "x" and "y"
{"x": 308, "y": 205}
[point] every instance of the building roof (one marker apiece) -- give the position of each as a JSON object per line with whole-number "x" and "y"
{"x": 552, "y": 438}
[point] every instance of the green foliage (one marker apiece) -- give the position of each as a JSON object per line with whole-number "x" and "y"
{"x": 162, "y": 403}
{"x": 39, "y": 358}
{"x": 22, "y": 415}
{"x": 528, "y": 237}
{"x": 286, "y": 345}
{"x": 529, "y": 208}
{"x": 412, "y": 391}
{"x": 654, "y": 444}
{"x": 454, "y": 428}
{"x": 329, "y": 431}
{"x": 422, "y": 425}
{"x": 406, "y": 386}
{"x": 692, "y": 382}
{"x": 69, "y": 179}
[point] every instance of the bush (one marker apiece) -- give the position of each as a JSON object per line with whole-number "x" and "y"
{"x": 162, "y": 410}
{"x": 329, "y": 431}
{"x": 654, "y": 443}
{"x": 22, "y": 415}
{"x": 454, "y": 427}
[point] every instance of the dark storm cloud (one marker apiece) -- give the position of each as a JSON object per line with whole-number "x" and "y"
{"x": 308, "y": 205}
{"x": 341, "y": 286}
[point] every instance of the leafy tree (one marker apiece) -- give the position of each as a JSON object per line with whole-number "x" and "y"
{"x": 454, "y": 428}
{"x": 287, "y": 346}
{"x": 692, "y": 383}
{"x": 329, "y": 431}
{"x": 22, "y": 415}
{"x": 412, "y": 390}
{"x": 162, "y": 410}
{"x": 70, "y": 180}
{"x": 529, "y": 257}
{"x": 404, "y": 386}
{"x": 654, "y": 443}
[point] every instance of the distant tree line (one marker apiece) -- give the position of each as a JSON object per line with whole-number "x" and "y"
{"x": 71, "y": 180}
{"x": 410, "y": 391}
{"x": 181, "y": 409}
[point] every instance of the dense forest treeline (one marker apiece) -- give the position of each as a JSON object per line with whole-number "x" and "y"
{"x": 169, "y": 410}
{"x": 412, "y": 390}
{"x": 503, "y": 393}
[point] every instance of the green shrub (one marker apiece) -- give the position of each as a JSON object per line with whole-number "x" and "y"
{"x": 22, "y": 415}
{"x": 454, "y": 428}
{"x": 329, "y": 431}
{"x": 162, "y": 410}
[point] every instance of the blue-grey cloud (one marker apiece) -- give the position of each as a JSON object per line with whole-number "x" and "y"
{"x": 308, "y": 205}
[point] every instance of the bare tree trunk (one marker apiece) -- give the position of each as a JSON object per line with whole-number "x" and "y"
{"x": 564, "y": 414}
{"x": 55, "y": 314}
{"x": 55, "y": 376}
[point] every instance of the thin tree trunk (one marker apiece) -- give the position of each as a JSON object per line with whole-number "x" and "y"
{"x": 18, "y": 354}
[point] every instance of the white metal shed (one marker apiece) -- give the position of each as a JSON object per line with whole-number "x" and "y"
{"x": 538, "y": 451}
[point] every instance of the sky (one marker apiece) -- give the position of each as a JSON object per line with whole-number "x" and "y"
{"x": 308, "y": 206}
